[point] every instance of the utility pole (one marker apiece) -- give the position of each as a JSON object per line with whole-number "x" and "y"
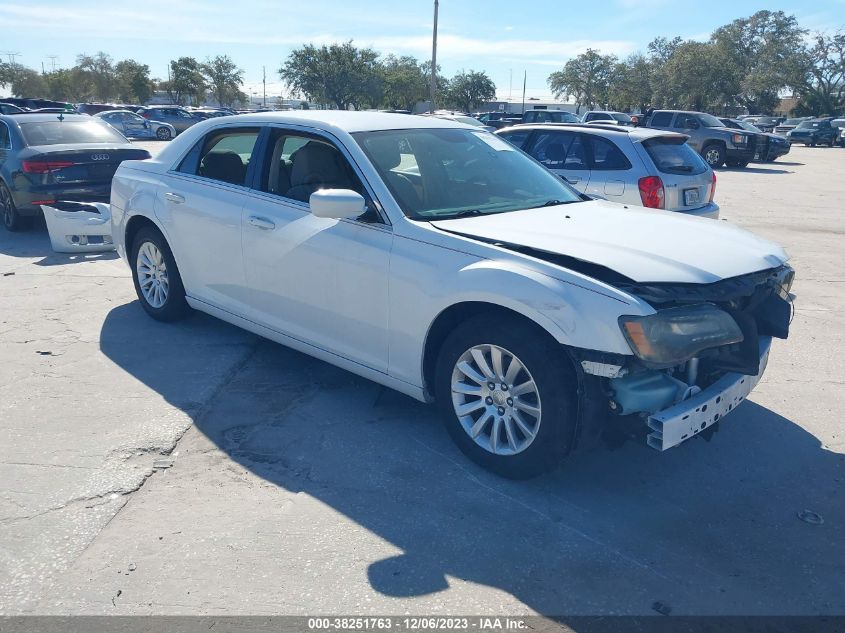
{"x": 264, "y": 81}
{"x": 524, "y": 81}
{"x": 53, "y": 59}
{"x": 434, "y": 57}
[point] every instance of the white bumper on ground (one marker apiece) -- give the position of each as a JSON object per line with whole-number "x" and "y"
{"x": 682, "y": 421}
{"x": 79, "y": 227}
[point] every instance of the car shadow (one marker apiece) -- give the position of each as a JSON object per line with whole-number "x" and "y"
{"x": 707, "y": 528}
{"x": 757, "y": 170}
{"x": 35, "y": 242}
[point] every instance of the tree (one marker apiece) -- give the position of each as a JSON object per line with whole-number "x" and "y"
{"x": 404, "y": 82}
{"x": 224, "y": 78}
{"x": 822, "y": 86}
{"x": 631, "y": 85}
{"x": 99, "y": 69}
{"x": 762, "y": 56}
{"x": 586, "y": 78}
{"x": 133, "y": 81}
{"x": 5, "y": 74}
{"x": 27, "y": 82}
{"x": 695, "y": 77}
{"x": 467, "y": 91}
{"x": 341, "y": 74}
{"x": 187, "y": 81}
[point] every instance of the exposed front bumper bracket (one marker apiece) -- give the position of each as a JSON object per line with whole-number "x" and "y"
{"x": 688, "y": 418}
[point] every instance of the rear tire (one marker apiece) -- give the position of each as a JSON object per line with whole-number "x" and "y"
{"x": 531, "y": 409}
{"x": 156, "y": 277}
{"x": 163, "y": 134}
{"x": 12, "y": 220}
{"x": 714, "y": 154}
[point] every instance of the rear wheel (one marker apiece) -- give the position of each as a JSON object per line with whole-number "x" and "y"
{"x": 12, "y": 220}
{"x": 156, "y": 277}
{"x": 507, "y": 394}
{"x": 163, "y": 134}
{"x": 714, "y": 154}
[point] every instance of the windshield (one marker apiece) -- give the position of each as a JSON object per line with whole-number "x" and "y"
{"x": 747, "y": 126}
{"x": 808, "y": 125}
{"x": 621, "y": 117}
{"x": 437, "y": 174}
{"x": 61, "y": 132}
{"x": 708, "y": 120}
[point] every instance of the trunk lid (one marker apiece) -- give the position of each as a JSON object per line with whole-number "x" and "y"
{"x": 63, "y": 164}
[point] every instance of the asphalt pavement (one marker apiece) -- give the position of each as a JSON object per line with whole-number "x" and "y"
{"x": 194, "y": 468}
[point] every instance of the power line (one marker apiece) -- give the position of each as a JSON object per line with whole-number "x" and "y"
{"x": 434, "y": 56}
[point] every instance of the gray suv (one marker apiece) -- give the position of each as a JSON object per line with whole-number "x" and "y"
{"x": 708, "y": 136}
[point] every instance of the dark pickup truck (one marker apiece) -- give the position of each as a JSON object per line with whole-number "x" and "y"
{"x": 708, "y": 136}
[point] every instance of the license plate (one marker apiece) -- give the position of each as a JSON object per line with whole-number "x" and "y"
{"x": 691, "y": 197}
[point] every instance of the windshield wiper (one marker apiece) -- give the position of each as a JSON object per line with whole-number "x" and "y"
{"x": 553, "y": 203}
{"x": 463, "y": 214}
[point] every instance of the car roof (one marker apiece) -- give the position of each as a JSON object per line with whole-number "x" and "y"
{"x": 636, "y": 134}
{"x": 99, "y": 114}
{"x": 350, "y": 120}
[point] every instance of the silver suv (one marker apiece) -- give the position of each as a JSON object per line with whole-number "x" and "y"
{"x": 634, "y": 166}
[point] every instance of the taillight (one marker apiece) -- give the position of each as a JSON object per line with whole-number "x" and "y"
{"x": 651, "y": 192}
{"x": 713, "y": 188}
{"x": 44, "y": 167}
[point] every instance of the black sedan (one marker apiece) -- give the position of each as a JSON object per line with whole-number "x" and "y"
{"x": 50, "y": 157}
{"x": 776, "y": 145}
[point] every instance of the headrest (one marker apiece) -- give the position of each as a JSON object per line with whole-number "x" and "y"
{"x": 555, "y": 152}
{"x": 316, "y": 163}
{"x": 384, "y": 150}
{"x": 223, "y": 165}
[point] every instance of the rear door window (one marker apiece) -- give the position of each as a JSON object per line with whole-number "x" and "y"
{"x": 224, "y": 155}
{"x": 673, "y": 156}
{"x": 5, "y": 141}
{"x": 606, "y": 155}
{"x": 661, "y": 119}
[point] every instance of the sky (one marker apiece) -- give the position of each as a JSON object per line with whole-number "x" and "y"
{"x": 505, "y": 38}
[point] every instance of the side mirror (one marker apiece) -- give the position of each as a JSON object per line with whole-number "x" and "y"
{"x": 338, "y": 204}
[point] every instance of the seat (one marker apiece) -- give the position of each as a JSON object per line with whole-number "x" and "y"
{"x": 555, "y": 153}
{"x": 223, "y": 165}
{"x": 385, "y": 154}
{"x": 317, "y": 166}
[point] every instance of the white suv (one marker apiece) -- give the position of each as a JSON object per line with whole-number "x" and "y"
{"x": 639, "y": 166}
{"x": 436, "y": 259}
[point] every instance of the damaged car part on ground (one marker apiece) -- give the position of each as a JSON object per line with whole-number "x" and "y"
{"x": 440, "y": 261}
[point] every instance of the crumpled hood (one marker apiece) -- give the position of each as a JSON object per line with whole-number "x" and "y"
{"x": 643, "y": 244}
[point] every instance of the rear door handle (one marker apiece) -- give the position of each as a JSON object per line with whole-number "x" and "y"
{"x": 262, "y": 223}
{"x": 174, "y": 197}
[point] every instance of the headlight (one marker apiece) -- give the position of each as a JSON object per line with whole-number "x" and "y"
{"x": 784, "y": 283}
{"x": 740, "y": 139}
{"x": 672, "y": 336}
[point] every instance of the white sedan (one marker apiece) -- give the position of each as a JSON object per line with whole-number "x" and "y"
{"x": 438, "y": 260}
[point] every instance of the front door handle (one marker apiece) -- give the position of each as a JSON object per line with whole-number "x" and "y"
{"x": 262, "y": 223}
{"x": 174, "y": 197}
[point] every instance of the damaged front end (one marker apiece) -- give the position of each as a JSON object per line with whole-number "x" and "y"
{"x": 699, "y": 355}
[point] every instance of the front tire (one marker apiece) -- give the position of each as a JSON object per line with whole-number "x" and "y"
{"x": 508, "y": 395}
{"x": 714, "y": 154}
{"x": 12, "y": 220}
{"x": 156, "y": 277}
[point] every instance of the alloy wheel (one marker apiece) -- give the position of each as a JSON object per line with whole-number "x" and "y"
{"x": 7, "y": 206}
{"x": 712, "y": 157}
{"x": 495, "y": 399}
{"x": 152, "y": 275}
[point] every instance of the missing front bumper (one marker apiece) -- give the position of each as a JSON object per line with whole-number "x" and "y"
{"x": 688, "y": 418}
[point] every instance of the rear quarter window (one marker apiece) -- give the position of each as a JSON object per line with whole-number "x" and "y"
{"x": 674, "y": 156}
{"x": 517, "y": 137}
